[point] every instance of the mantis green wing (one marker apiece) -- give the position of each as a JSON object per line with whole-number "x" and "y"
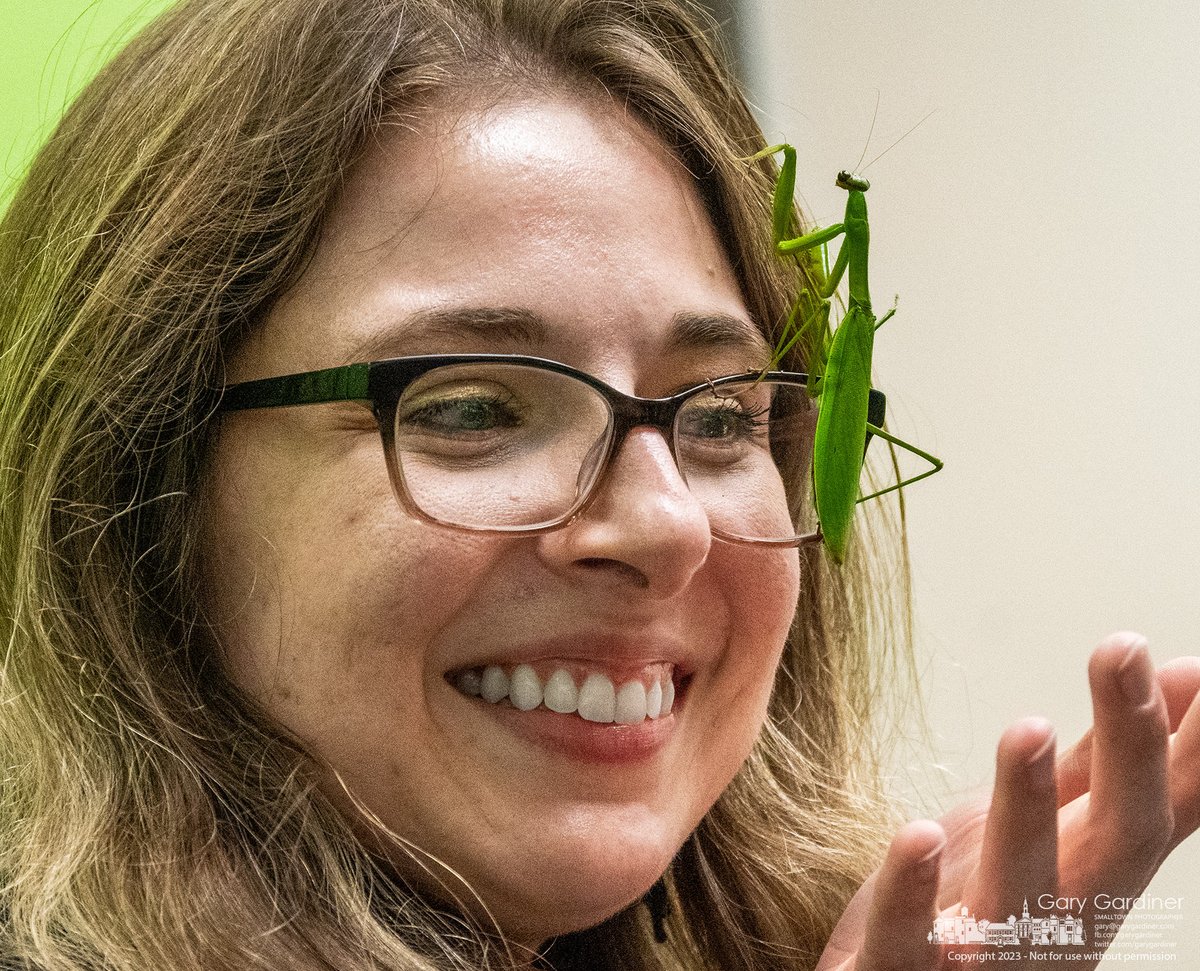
{"x": 838, "y": 448}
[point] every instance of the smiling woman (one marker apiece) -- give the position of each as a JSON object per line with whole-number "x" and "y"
{"x": 279, "y": 696}
{"x": 407, "y": 562}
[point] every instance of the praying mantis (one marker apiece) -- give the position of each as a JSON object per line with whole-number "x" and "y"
{"x": 839, "y": 364}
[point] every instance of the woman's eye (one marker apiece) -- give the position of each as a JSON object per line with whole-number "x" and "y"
{"x": 466, "y": 413}
{"x": 725, "y": 422}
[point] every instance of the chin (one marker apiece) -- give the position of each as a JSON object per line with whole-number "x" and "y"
{"x": 562, "y": 896}
{"x": 585, "y": 906}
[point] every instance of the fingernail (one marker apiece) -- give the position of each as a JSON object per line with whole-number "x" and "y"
{"x": 1136, "y": 675}
{"x": 929, "y": 861}
{"x": 1045, "y": 747}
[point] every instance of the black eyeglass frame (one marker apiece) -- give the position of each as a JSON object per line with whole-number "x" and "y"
{"x": 379, "y": 385}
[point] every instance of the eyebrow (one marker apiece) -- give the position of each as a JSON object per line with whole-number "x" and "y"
{"x": 689, "y": 330}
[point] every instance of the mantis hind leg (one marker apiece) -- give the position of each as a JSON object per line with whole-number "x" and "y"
{"x": 908, "y": 447}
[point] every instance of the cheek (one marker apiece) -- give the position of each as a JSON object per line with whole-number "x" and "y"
{"x": 324, "y": 593}
{"x": 761, "y": 594}
{"x": 765, "y": 587}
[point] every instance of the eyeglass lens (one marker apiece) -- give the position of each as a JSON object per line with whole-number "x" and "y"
{"x": 499, "y": 445}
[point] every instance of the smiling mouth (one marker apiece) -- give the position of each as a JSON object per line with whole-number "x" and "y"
{"x": 570, "y": 688}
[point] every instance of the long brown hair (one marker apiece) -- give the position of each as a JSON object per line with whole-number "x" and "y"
{"x": 150, "y": 817}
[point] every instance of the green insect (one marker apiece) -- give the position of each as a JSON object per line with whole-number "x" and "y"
{"x": 839, "y": 363}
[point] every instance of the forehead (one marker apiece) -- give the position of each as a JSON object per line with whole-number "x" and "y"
{"x": 505, "y": 166}
{"x": 561, "y": 205}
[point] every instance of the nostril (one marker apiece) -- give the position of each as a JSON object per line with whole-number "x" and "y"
{"x": 623, "y": 570}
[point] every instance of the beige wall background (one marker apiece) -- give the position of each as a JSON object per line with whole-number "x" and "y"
{"x": 1041, "y": 230}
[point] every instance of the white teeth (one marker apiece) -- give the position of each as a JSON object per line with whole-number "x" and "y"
{"x": 561, "y": 694}
{"x": 654, "y": 698}
{"x": 631, "y": 704}
{"x": 494, "y": 685}
{"x": 525, "y": 692}
{"x": 596, "y": 700}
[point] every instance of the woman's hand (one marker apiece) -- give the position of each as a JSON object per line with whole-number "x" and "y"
{"x": 1100, "y": 820}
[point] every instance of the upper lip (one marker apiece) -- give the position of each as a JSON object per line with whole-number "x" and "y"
{"x": 613, "y": 653}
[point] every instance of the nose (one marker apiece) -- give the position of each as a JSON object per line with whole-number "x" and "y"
{"x": 643, "y": 530}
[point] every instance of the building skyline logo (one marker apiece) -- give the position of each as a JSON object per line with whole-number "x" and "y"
{"x": 1049, "y": 930}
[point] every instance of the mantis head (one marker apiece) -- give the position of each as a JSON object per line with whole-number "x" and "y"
{"x": 852, "y": 183}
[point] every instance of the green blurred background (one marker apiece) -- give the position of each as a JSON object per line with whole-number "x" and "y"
{"x": 49, "y": 49}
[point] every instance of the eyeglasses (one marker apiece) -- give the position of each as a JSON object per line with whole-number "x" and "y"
{"x": 505, "y": 443}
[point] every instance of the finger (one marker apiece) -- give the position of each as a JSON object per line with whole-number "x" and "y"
{"x": 904, "y": 906}
{"x": 1179, "y": 682}
{"x": 1019, "y": 859}
{"x": 1129, "y": 809}
{"x": 1075, "y": 770}
{"x": 1185, "y": 760}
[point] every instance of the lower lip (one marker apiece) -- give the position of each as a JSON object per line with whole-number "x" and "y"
{"x": 596, "y": 743}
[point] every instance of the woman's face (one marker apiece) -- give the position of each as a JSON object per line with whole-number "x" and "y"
{"x": 342, "y": 615}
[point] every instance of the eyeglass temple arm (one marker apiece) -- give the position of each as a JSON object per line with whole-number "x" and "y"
{"x": 876, "y": 409}
{"x": 349, "y": 383}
